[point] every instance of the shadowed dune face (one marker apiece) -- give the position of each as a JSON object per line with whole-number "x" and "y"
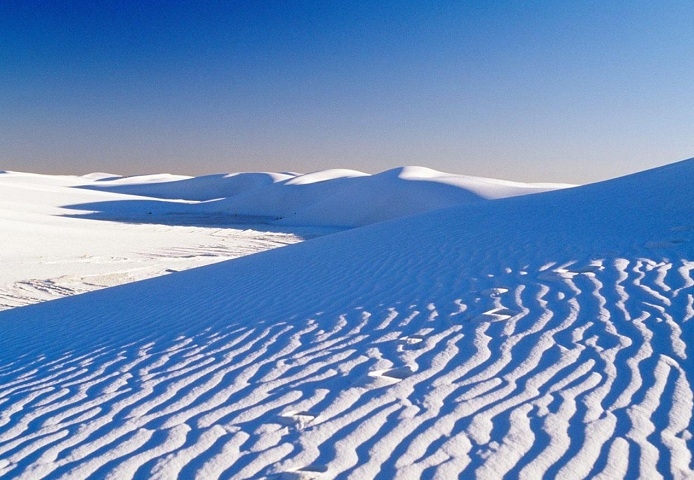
{"x": 208, "y": 187}
{"x": 547, "y": 335}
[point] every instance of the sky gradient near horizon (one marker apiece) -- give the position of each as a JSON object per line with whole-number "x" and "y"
{"x": 531, "y": 91}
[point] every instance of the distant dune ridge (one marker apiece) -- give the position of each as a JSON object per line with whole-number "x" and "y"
{"x": 339, "y": 197}
{"x": 486, "y": 330}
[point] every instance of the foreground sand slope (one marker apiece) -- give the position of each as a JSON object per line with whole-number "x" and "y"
{"x": 545, "y": 335}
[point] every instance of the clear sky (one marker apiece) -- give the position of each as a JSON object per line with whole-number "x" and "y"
{"x": 571, "y": 91}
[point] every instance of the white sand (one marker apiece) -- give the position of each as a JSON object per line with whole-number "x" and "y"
{"x": 546, "y": 335}
{"x": 47, "y": 254}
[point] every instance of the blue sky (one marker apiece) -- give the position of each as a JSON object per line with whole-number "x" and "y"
{"x": 533, "y": 91}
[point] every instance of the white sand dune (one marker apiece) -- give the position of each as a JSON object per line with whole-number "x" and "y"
{"x": 339, "y": 197}
{"x": 540, "y": 336}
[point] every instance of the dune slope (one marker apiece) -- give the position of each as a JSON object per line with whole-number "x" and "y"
{"x": 544, "y": 335}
